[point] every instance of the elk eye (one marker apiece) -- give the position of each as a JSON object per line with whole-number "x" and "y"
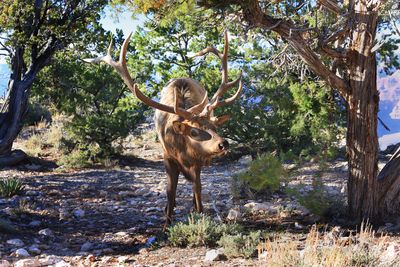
{"x": 194, "y": 132}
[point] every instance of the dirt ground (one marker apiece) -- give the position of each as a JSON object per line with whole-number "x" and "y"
{"x": 114, "y": 217}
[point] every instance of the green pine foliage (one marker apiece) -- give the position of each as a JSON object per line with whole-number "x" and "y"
{"x": 264, "y": 176}
{"x": 101, "y": 111}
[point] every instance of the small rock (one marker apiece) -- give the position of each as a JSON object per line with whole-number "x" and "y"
{"x": 35, "y": 223}
{"x": 245, "y": 160}
{"x": 27, "y": 263}
{"x": 87, "y": 246}
{"x": 153, "y": 209}
{"x": 51, "y": 260}
{"x": 262, "y": 207}
{"x": 31, "y": 193}
{"x": 22, "y": 253}
{"x": 143, "y": 251}
{"x": 15, "y": 242}
{"x": 121, "y": 233}
{"x": 233, "y": 215}
{"x": 46, "y": 232}
{"x": 125, "y": 194}
{"x": 122, "y": 259}
{"x": 150, "y": 241}
{"x": 5, "y": 263}
{"x": 63, "y": 214}
{"x": 62, "y": 263}
{"x": 141, "y": 191}
{"x": 263, "y": 256}
{"x": 79, "y": 213}
{"x": 298, "y": 226}
{"x": 34, "y": 250}
{"x": 214, "y": 255}
{"x": 391, "y": 253}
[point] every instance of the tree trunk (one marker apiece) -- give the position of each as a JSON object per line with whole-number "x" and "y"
{"x": 369, "y": 197}
{"x": 11, "y": 118}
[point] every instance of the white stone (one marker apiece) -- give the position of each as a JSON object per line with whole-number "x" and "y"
{"x": 62, "y": 263}
{"x": 79, "y": 213}
{"x": 263, "y": 256}
{"x": 46, "y": 232}
{"x": 27, "y": 263}
{"x": 22, "y": 253}
{"x": 261, "y": 207}
{"x": 15, "y": 242}
{"x": 121, "y": 233}
{"x": 391, "y": 253}
{"x": 214, "y": 255}
{"x": 153, "y": 209}
{"x": 50, "y": 260}
{"x": 5, "y": 263}
{"x": 233, "y": 215}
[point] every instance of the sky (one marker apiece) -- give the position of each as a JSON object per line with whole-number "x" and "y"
{"x": 124, "y": 21}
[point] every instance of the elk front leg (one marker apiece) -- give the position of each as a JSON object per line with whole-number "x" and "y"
{"x": 172, "y": 170}
{"x": 197, "y": 190}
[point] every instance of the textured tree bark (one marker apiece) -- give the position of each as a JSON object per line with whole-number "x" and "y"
{"x": 12, "y": 115}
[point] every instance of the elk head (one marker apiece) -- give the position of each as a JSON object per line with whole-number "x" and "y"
{"x": 197, "y": 125}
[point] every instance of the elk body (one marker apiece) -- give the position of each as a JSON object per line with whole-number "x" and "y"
{"x": 185, "y": 123}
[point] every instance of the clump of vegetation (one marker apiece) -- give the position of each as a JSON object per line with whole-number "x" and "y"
{"x": 24, "y": 207}
{"x": 316, "y": 199}
{"x": 264, "y": 176}
{"x": 37, "y": 113}
{"x": 34, "y": 145}
{"x": 199, "y": 230}
{"x": 10, "y": 187}
{"x": 240, "y": 245}
{"x": 77, "y": 158}
{"x": 326, "y": 249}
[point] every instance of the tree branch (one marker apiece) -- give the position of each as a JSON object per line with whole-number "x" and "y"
{"x": 253, "y": 14}
{"x": 330, "y": 5}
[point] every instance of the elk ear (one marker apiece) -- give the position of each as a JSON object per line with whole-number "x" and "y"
{"x": 218, "y": 121}
{"x": 179, "y": 127}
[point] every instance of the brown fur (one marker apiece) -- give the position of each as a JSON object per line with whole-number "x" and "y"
{"x": 182, "y": 154}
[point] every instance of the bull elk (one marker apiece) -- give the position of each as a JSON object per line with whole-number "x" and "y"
{"x": 184, "y": 121}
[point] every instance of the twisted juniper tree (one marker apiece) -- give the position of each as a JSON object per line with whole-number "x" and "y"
{"x": 30, "y": 33}
{"x": 337, "y": 39}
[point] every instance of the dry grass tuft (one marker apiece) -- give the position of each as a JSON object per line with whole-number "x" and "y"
{"x": 331, "y": 248}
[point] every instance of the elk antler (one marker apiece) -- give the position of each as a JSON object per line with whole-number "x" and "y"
{"x": 225, "y": 85}
{"x": 122, "y": 70}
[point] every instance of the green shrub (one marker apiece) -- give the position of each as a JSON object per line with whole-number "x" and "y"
{"x": 77, "y": 158}
{"x": 199, "y": 230}
{"x": 10, "y": 187}
{"x": 240, "y": 245}
{"x": 263, "y": 176}
{"x": 37, "y": 113}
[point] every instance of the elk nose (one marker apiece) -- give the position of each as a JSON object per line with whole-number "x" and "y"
{"x": 224, "y": 145}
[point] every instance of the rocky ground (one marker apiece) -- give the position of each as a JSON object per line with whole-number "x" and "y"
{"x": 114, "y": 217}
